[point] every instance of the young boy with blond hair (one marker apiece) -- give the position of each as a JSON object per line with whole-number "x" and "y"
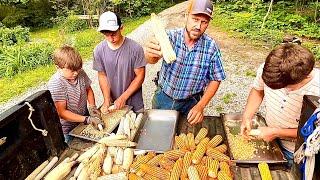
{"x": 71, "y": 91}
{"x": 286, "y": 76}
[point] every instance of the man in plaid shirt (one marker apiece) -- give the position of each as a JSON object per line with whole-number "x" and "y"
{"x": 188, "y": 84}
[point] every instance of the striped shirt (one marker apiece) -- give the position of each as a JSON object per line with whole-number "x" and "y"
{"x": 193, "y": 69}
{"x": 75, "y": 95}
{"x": 283, "y": 107}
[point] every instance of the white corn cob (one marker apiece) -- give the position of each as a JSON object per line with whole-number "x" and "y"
{"x": 166, "y": 48}
{"x": 119, "y": 158}
{"x": 120, "y": 130}
{"x": 107, "y": 164}
{"x": 127, "y": 158}
{"x": 118, "y": 176}
{"x": 126, "y": 126}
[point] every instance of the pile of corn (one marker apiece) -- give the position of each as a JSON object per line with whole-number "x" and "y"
{"x": 194, "y": 158}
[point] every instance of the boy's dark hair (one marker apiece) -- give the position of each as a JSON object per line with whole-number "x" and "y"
{"x": 287, "y": 64}
{"x": 67, "y": 57}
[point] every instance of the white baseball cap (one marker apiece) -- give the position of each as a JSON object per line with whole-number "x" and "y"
{"x": 109, "y": 21}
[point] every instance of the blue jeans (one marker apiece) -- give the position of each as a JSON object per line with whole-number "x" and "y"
{"x": 162, "y": 101}
{"x": 287, "y": 154}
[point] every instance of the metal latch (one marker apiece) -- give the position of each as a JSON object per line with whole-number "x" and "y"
{"x": 31, "y": 109}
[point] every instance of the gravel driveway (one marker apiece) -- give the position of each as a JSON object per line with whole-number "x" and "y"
{"x": 240, "y": 61}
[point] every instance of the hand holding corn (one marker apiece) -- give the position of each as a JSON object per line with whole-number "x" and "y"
{"x": 152, "y": 51}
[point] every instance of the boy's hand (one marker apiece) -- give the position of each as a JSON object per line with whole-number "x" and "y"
{"x": 268, "y": 133}
{"x": 93, "y": 121}
{"x": 94, "y": 111}
{"x": 105, "y": 107}
{"x": 120, "y": 102}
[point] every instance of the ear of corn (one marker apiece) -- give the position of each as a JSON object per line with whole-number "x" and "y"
{"x": 201, "y": 134}
{"x": 166, "y": 48}
{"x": 135, "y": 166}
{"x": 215, "y": 141}
{"x": 264, "y": 171}
{"x": 204, "y": 161}
{"x": 185, "y": 140}
{"x": 224, "y": 166}
{"x": 217, "y": 155}
{"x": 176, "y": 170}
{"x": 200, "y": 151}
{"x": 186, "y": 163}
{"x": 213, "y": 166}
{"x": 224, "y": 176}
{"x": 133, "y": 176}
{"x": 222, "y": 148}
{"x": 153, "y": 162}
{"x": 155, "y": 171}
{"x": 149, "y": 177}
{"x": 127, "y": 158}
{"x": 180, "y": 143}
{"x": 174, "y": 154}
{"x": 193, "y": 173}
{"x": 166, "y": 163}
{"x": 203, "y": 171}
{"x": 191, "y": 143}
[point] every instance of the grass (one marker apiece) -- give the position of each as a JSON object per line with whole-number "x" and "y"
{"x": 227, "y": 98}
{"x": 84, "y": 41}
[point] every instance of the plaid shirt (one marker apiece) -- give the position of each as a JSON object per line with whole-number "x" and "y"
{"x": 193, "y": 69}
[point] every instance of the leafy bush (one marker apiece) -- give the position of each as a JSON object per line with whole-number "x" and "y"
{"x": 19, "y": 58}
{"x": 13, "y": 36}
{"x": 73, "y": 23}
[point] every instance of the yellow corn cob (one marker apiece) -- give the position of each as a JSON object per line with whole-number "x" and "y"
{"x": 201, "y": 134}
{"x": 174, "y": 154}
{"x": 153, "y": 162}
{"x": 222, "y": 148}
{"x": 224, "y": 176}
{"x": 264, "y": 171}
{"x": 200, "y": 151}
{"x": 185, "y": 140}
{"x": 176, "y": 170}
{"x": 149, "y": 177}
{"x": 204, "y": 161}
{"x": 203, "y": 171}
{"x": 213, "y": 166}
{"x": 186, "y": 163}
{"x": 217, "y": 155}
{"x": 135, "y": 166}
{"x": 224, "y": 166}
{"x": 193, "y": 173}
{"x": 166, "y": 163}
{"x": 133, "y": 176}
{"x": 161, "y": 35}
{"x": 155, "y": 171}
{"x": 215, "y": 141}
{"x": 180, "y": 143}
{"x": 191, "y": 143}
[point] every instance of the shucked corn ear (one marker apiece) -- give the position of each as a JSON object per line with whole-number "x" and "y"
{"x": 224, "y": 166}
{"x": 135, "y": 166}
{"x": 222, "y": 148}
{"x": 200, "y": 151}
{"x": 166, "y": 163}
{"x": 193, "y": 173}
{"x": 166, "y": 48}
{"x": 213, "y": 166}
{"x": 186, "y": 163}
{"x": 180, "y": 143}
{"x": 174, "y": 154}
{"x": 185, "y": 140}
{"x": 201, "y": 134}
{"x": 176, "y": 170}
{"x": 264, "y": 171}
{"x": 149, "y": 177}
{"x": 224, "y": 176}
{"x": 153, "y": 162}
{"x": 217, "y": 155}
{"x": 203, "y": 171}
{"x": 215, "y": 141}
{"x": 133, "y": 176}
{"x": 191, "y": 143}
{"x": 155, "y": 171}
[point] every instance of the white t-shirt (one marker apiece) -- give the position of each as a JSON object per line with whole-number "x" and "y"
{"x": 283, "y": 107}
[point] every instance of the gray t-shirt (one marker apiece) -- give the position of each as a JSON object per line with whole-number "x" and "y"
{"x": 119, "y": 67}
{"x": 75, "y": 94}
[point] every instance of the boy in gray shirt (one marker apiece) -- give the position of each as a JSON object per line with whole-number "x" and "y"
{"x": 120, "y": 64}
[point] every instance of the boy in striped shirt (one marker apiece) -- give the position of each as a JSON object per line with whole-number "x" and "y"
{"x": 70, "y": 90}
{"x": 286, "y": 76}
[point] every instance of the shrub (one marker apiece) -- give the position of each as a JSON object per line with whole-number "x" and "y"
{"x": 13, "y": 36}
{"x": 73, "y": 23}
{"x": 21, "y": 57}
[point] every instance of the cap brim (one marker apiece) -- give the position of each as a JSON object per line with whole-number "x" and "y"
{"x": 201, "y": 12}
{"x": 108, "y": 28}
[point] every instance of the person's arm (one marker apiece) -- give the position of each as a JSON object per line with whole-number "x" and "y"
{"x": 133, "y": 87}
{"x": 152, "y": 51}
{"x": 253, "y": 103}
{"x": 67, "y": 115}
{"x": 105, "y": 88}
{"x": 270, "y": 133}
{"x": 90, "y": 95}
{"x": 195, "y": 115}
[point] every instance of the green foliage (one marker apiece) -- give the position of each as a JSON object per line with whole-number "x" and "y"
{"x": 250, "y": 73}
{"x": 73, "y": 23}
{"x": 19, "y": 58}
{"x": 13, "y": 36}
{"x": 227, "y": 98}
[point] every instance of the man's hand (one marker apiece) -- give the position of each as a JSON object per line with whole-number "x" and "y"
{"x": 245, "y": 127}
{"x": 105, "y": 106}
{"x": 268, "y": 133}
{"x": 93, "y": 121}
{"x": 195, "y": 115}
{"x": 152, "y": 51}
{"x": 94, "y": 111}
{"x": 120, "y": 102}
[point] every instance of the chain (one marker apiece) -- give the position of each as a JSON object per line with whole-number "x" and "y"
{"x": 31, "y": 109}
